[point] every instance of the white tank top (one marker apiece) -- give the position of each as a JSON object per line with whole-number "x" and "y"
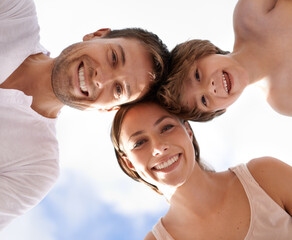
{"x": 268, "y": 220}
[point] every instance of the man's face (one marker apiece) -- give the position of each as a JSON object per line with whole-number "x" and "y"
{"x": 102, "y": 73}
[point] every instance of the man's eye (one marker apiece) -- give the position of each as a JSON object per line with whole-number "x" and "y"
{"x": 139, "y": 143}
{"x": 167, "y": 127}
{"x": 114, "y": 58}
{"x": 197, "y": 75}
{"x": 203, "y": 99}
{"x": 119, "y": 91}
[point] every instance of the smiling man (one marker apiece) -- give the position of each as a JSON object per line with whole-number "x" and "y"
{"x": 108, "y": 68}
{"x": 102, "y": 73}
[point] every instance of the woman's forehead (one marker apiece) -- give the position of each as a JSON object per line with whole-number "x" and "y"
{"x": 142, "y": 115}
{"x": 149, "y": 111}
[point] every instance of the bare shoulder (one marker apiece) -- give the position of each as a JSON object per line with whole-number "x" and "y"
{"x": 150, "y": 236}
{"x": 260, "y": 7}
{"x": 279, "y": 97}
{"x": 274, "y": 176}
{"x": 267, "y": 167}
{"x": 249, "y": 16}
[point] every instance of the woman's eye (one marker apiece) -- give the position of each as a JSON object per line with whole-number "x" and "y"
{"x": 114, "y": 58}
{"x": 204, "y": 101}
{"x": 197, "y": 75}
{"x": 167, "y": 127}
{"x": 139, "y": 143}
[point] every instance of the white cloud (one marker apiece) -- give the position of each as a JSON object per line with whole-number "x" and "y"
{"x": 32, "y": 226}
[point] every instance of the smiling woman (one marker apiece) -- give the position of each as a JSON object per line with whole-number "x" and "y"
{"x": 157, "y": 148}
{"x": 137, "y": 143}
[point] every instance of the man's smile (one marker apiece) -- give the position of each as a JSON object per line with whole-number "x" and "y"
{"x": 82, "y": 82}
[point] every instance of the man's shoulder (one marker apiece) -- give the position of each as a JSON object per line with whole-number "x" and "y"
{"x": 15, "y": 8}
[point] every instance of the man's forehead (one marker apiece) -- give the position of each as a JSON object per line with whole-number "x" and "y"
{"x": 123, "y": 40}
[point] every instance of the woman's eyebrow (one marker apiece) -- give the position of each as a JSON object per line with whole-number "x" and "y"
{"x": 135, "y": 134}
{"x": 161, "y": 119}
{"x": 155, "y": 124}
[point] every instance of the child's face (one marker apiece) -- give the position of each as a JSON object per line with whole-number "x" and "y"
{"x": 214, "y": 82}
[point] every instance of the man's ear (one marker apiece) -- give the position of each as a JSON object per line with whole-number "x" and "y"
{"x": 128, "y": 162}
{"x": 98, "y": 34}
{"x": 189, "y": 129}
{"x": 115, "y": 108}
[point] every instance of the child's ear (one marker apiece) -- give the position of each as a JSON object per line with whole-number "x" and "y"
{"x": 128, "y": 162}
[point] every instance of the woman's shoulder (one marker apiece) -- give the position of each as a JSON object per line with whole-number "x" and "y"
{"x": 265, "y": 164}
{"x": 273, "y": 176}
{"x": 149, "y": 236}
{"x": 264, "y": 169}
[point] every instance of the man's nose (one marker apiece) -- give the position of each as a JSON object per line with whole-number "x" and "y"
{"x": 101, "y": 78}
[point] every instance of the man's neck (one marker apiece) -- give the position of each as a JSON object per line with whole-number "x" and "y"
{"x": 33, "y": 77}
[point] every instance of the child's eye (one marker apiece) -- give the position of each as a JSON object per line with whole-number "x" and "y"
{"x": 167, "y": 127}
{"x": 203, "y": 99}
{"x": 197, "y": 75}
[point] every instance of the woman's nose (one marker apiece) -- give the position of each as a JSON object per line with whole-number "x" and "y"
{"x": 159, "y": 149}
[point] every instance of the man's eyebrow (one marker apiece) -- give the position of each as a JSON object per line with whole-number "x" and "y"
{"x": 127, "y": 88}
{"x": 122, "y": 54}
{"x": 155, "y": 124}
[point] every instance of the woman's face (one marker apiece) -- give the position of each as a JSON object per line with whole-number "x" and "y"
{"x": 157, "y": 145}
{"x": 214, "y": 82}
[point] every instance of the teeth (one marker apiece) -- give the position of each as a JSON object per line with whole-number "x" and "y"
{"x": 167, "y": 163}
{"x": 225, "y": 83}
{"x": 81, "y": 80}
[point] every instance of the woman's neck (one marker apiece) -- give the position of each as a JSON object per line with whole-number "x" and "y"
{"x": 200, "y": 194}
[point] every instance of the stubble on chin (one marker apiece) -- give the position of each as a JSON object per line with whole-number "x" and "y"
{"x": 62, "y": 82}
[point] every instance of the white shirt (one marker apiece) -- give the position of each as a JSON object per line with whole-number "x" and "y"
{"x": 28, "y": 145}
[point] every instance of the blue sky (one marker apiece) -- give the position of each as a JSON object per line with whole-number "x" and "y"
{"x": 93, "y": 199}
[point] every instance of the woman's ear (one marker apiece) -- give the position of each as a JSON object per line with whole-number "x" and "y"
{"x": 128, "y": 162}
{"x": 98, "y": 34}
{"x": 189, "y": 129}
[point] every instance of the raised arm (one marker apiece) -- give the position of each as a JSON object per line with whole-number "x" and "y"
{"x": 258, "y": 7}
{"x": 275, "y": 177}
{"x": 249, "y": 17}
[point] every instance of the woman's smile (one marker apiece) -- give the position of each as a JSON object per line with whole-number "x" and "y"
{"x": 168, "y": 164}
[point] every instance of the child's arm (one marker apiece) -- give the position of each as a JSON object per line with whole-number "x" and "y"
{"x": 250, "y": 17}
